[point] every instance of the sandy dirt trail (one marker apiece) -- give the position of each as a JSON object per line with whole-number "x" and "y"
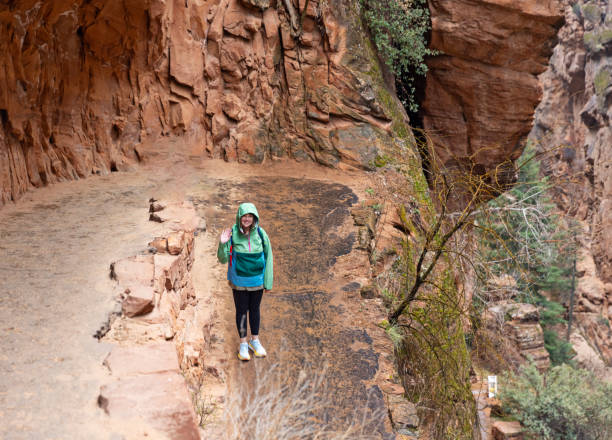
{"x": 307, "y": 324}
{"x": 56, "y": 246}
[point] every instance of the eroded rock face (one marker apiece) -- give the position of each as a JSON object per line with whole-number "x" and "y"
{"x": 481, "y": 91}
{"x": 87, "y": 86}
{"x": 520, "y": 323}
{"x": 573, "y": 121}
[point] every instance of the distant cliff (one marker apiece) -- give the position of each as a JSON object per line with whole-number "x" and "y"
{"x": 573, "y": 120}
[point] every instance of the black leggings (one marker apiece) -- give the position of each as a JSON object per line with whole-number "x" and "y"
{"x": 247, "y": 301}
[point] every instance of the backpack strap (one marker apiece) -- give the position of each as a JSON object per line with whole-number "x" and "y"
{"x": 263, "y": 243}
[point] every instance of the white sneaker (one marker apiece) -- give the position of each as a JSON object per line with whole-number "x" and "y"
{"x": 257, "y": 348}
{"x": 243, "y": 353}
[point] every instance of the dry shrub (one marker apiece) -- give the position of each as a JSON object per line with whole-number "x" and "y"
{"x": 495, "y": 352}
{"x": 283, "y": 407}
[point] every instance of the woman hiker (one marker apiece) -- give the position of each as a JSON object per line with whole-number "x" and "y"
{"x": 247, "y": 250}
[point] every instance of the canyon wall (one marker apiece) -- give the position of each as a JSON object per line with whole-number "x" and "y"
{"x": 482, "y": 87}
{"x": 86, "y": 87}
{"x": 573, "y": 124}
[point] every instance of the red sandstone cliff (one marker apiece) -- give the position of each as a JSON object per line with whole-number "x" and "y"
{"x": 482, "y": 89}
{"x": 86, "y": 86}
{"x": 574, "y": 121}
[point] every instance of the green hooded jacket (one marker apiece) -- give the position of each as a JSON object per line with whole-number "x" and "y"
{"x": 249, "y": 243}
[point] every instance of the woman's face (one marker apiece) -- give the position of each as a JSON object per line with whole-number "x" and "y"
{"x": 246, "y": 221}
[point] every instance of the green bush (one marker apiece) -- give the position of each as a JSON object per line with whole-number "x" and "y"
{"x": 591, "y": 41}
{"x": 399, "y": 29}
{"x": 592, "y": 13}
{"x": 595, "y": 41}
{"x": 563, "y": 404}
{"x": 559, "y": 350}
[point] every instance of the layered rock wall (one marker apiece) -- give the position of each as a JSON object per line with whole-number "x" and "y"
{"x": 482, "y": 88}
{"x": 573, "y": 124}
{"x": 520, "y": 324}
{"x": 160, "y": 347}
{"x": 87, "y": 86}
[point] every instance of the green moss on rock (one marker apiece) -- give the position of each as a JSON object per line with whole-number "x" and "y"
{"x": 601, "y": 82}
{"x": 597, "y": 40}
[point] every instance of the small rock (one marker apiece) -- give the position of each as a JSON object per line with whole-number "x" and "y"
{"x": 156, "y": 206}
{"x": 139, "y": 301}
{"x": 260, "y": 4}
{"x": 176, "y": 242}
{"x": 495, "y": 405}
{"x": 392, "y": 388}
{"x": 232, "y": 107}
{"x": 160, "y": 244}
{"x": 403, "y": 413}
{"x": 350, "y": 287}
{"x": 364, "y": 216}
{"x": 201, "y": 225}
{"x": 369, "y": 292}
{"x": 507, "y": 430}
{"x": 168, "y": 333}
{"x": 155, "y": 218}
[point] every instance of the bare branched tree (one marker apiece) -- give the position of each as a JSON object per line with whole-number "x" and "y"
{"x": 429, "y": 293}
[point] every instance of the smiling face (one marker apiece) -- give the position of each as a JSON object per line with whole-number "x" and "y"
{"x": 246, "y": 221}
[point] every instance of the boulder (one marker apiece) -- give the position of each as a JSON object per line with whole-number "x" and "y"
{"x": 591, "y": 288}
{"x": 364, "y": 216}
{"x": 220, "y": 127}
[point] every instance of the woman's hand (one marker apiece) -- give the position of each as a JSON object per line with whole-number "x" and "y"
{"x": 225, "y": 235}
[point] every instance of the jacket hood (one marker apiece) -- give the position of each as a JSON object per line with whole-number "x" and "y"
{"x": 246, "y": 208}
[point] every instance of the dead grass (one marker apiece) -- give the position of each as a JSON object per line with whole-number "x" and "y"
{"x": 285, "y": 407}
